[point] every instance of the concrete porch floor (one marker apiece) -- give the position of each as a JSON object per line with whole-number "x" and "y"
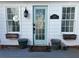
{"x": 25, "y": 53}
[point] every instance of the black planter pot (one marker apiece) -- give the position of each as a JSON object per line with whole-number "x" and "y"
{"x": 23, "y": 43}
{"x": 65, "y": 48}
{"x": 56, "y": 44}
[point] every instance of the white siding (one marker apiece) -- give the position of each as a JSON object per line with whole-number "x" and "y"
{"x": 26, "y": 25}
{"x": 53, "y": 25}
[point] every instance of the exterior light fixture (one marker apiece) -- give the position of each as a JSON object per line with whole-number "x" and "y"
{"x": 25, "y": 13}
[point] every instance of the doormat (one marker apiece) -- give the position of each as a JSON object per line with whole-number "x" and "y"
{"x": 39, "y": 49}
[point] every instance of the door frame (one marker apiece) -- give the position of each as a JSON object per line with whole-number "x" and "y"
{"x": 45, "y": 21}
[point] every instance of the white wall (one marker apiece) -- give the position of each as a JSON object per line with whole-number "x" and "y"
{"x": 26, "y": 31}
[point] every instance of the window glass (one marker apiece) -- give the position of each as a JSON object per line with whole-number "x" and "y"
{"x": 63, "y": 29}
{"x": 10, "y": 16}
{"x": 63, "y": 23}
{"x": 71, "y": 29}
{"x": 67, "y": 29}
{"x": 11, "y": 24}
{"x": 72, "y": 16}
{"x": 71, "y": 23}
{"x": 68, "y": 10}
{"x": 8, "y": 10}
{"x": 63, "y": 16}
{"x": 64, "y": 10}
{"x": 72, "y": 10}
{"x": 67, "y": 23}
{"x": 68, "y": 15}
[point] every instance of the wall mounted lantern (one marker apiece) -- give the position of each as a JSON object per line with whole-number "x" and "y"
{"x": 25, "y": 13}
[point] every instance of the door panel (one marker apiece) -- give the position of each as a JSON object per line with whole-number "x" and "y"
{"x": 40, "y": 17}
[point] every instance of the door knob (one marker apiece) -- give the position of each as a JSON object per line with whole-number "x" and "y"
{"x": 33, "y": 30}
{"x": 33, "y": 24}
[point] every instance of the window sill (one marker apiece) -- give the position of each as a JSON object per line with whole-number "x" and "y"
{"x": 68, "y": 33}
{"x": 13, "y": 32}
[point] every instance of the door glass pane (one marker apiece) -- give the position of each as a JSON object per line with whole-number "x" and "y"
{"x": 40, "y": 24}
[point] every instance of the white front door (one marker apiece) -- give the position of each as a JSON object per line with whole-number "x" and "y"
{"x": 39, "y": 25}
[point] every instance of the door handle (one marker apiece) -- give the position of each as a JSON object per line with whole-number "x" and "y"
{"x": 33, "y": 24}
{"x": 33, "y": 28}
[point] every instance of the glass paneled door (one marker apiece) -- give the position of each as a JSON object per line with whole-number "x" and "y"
{"x": 39, "y": 25}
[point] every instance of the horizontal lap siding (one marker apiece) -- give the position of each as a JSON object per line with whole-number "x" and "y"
{"x": 53, "y": 25}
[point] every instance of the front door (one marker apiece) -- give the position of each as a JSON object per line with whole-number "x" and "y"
{"x": 39, "y": 25}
